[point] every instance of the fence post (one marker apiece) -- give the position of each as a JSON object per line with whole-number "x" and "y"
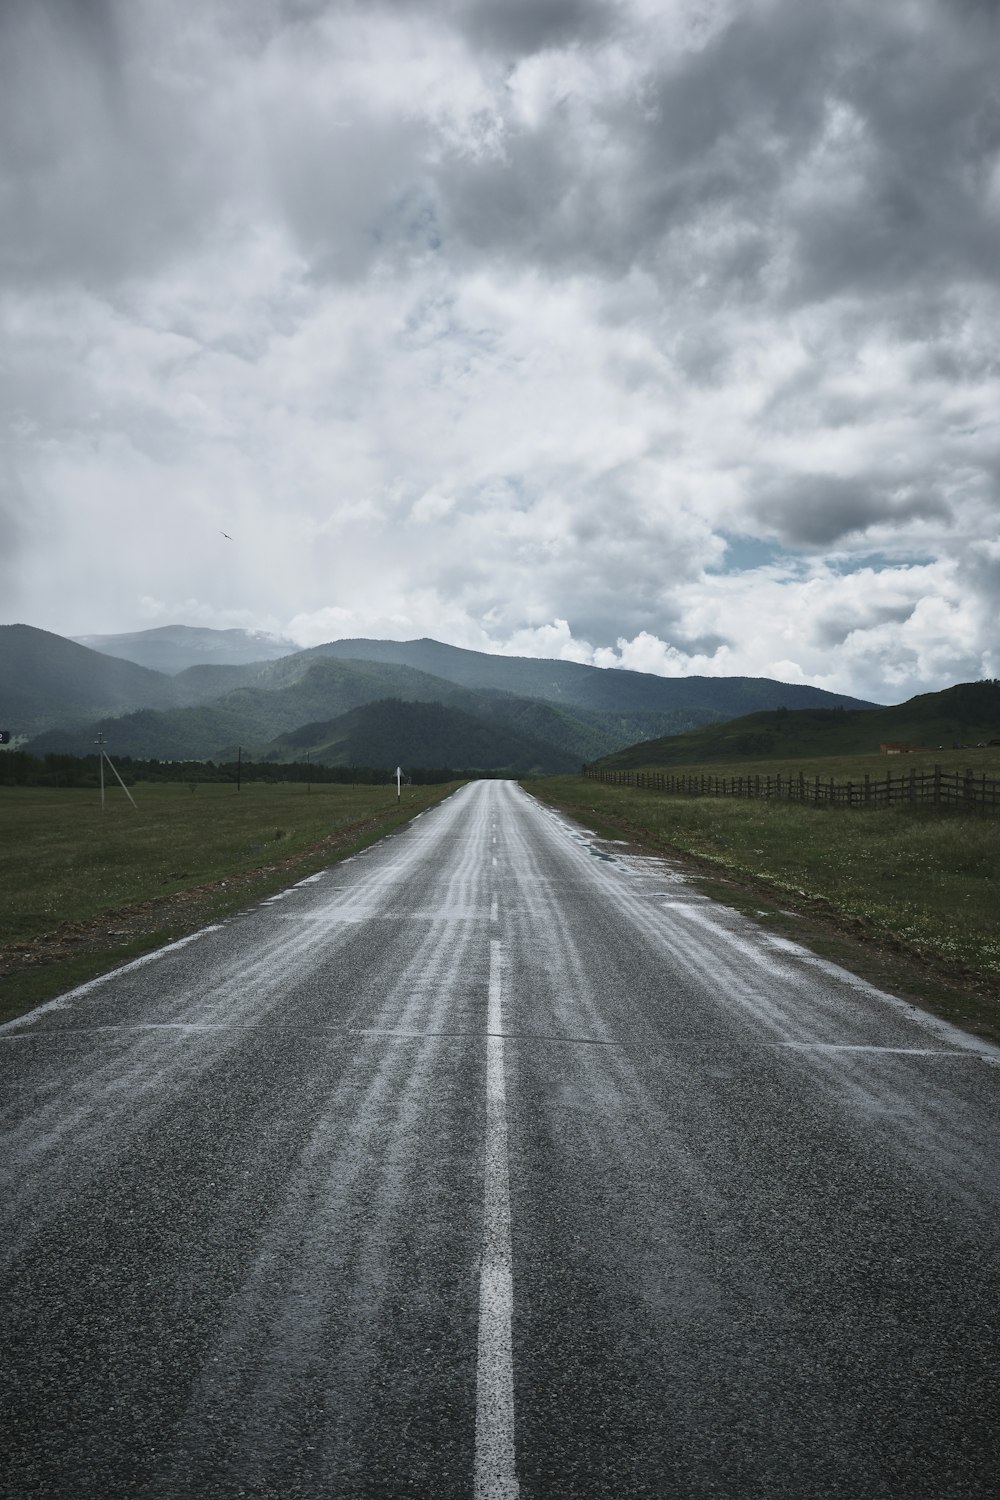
{"x": 937, "y": 786}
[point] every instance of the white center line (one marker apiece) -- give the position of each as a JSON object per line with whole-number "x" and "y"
{"x": 495, "y": 1477}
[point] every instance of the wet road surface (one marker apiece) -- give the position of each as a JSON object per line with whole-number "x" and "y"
{"x": 496, "y": 1161}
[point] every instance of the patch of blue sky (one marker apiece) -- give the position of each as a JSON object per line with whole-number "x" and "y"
{"x": 743, "y": 554}
{"x": 876, "y": 562}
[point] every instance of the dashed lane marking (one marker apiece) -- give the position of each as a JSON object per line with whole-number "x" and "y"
{"x": 495, "y": 1474}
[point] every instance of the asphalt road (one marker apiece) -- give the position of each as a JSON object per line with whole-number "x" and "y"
{"x": 495, "y": 1161}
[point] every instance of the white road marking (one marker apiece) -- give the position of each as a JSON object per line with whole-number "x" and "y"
{"x": 495, "y": 1476}
{"x": 866, "y": 1047}
{"x": 494, "y": 910}
{"x": 64, "y": 1001}
{"x": 494, "y": 861}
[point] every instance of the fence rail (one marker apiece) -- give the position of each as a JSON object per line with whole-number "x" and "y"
{"x": 944, "y": 789}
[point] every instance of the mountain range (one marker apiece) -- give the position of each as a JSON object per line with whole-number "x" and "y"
{"x": 525, "y": 715}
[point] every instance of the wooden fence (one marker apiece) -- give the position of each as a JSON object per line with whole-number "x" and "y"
{"x": 963, "y": 790}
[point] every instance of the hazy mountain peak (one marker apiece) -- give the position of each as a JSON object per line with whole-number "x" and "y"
{"x": 174, "y": 648}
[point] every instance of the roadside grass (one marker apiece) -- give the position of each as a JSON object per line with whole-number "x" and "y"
{"x": 84, "y": 891}
{"x": 920, "y": 884}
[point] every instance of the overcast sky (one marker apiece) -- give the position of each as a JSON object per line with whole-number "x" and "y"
{"x": 660, "y": 333}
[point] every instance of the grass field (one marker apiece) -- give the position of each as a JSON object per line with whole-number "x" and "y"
{"x": 844, "y": 767}
{"x": 922, "y": 884}
{"x": 84, "y": 890}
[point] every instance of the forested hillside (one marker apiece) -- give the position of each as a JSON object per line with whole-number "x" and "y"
{"x": 968, "y": 713}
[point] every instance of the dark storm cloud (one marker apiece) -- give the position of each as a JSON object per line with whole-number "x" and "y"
{"x": 804, "y": 150}
{"x": 522, "y": 27}
{"x": 722, "y": 168}
{"x": 818, "y": 510}
{"x": 913, "y": 197}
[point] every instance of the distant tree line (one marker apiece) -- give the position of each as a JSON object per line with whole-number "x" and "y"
{"x": 19, "y": 768}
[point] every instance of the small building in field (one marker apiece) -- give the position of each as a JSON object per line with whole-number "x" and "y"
{"x": 901, "y": 747}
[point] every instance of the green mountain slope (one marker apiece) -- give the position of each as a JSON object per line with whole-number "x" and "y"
{"x": 968, "y": 713}
{"x": 319, "y": 690}
{"x": 248, "y": 716}
{"x": 391, "y": 732}
{"x": 46, "y": 679}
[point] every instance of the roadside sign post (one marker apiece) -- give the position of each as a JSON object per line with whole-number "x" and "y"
{"x": 399, "y": 777}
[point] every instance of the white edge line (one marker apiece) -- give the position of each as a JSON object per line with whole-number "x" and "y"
{"x": 871, "y": 1047}
{"x": 495, "y": 1475}
{"x": 62, "y": 1001}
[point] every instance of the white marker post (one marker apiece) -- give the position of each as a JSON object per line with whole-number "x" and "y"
{"x": 399, "y": 778}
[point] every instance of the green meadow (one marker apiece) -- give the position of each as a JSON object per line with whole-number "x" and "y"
{"x": 842, "y": 768}
{"x": 84, "y": 889}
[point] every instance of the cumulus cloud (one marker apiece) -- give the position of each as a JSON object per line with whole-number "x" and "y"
{"x": 511, "y": 322}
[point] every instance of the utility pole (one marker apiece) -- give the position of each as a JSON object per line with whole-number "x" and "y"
{"x": 239, "y": 765}
{"x": 308, "y": 772}
{"x": 399, "y": 777}
{"x": 104, "y": 756}
{"x": 100, "y": 760}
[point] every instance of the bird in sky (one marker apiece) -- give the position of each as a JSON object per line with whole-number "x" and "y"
{"x": 226, "y": 535}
